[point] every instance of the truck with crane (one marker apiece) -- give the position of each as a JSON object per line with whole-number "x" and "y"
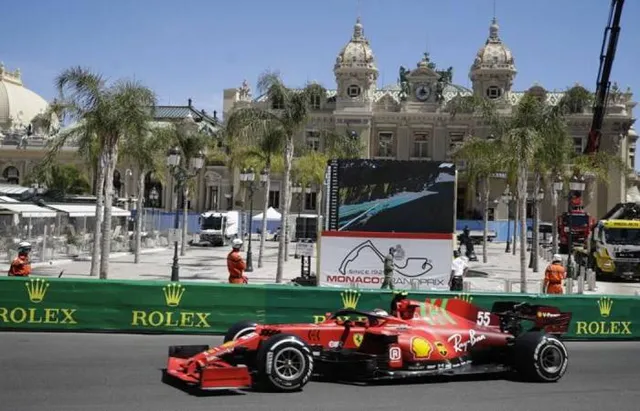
{"x": 613, "y": 246}
{"x": 576, "y": 225}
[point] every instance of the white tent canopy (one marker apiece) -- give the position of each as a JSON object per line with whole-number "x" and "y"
{"x": 272, "y": 214}
{"x": 26, "y": 210}
{"x": 86, "y": 210}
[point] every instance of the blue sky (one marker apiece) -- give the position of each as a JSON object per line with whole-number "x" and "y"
{"x": 196, "y": 49}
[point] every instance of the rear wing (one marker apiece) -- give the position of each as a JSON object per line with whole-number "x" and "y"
{"x": 544, "y": 317}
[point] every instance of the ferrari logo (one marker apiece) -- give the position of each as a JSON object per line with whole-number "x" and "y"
{"x": 357, "y": 339}
{"x": 441, "y": 348}
{"x": 421, "y": 348}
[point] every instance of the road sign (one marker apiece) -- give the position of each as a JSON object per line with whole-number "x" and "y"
{"x": 304, "y": 249}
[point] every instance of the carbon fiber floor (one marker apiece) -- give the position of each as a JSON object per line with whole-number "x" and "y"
{"x": 93, "y": 372}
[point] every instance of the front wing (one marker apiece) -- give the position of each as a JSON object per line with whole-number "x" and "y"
{"x": 207, "y": 375}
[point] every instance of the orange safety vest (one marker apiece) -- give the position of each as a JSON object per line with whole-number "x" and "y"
{"x": 20, "y": 267}
{"x": 553, "y": 277}
{"x": 236, "y": 267}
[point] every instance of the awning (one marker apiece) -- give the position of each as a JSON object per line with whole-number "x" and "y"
{"x": 26, "y": 210}
{"x": 86, "y": 210}
{"x": 12, "y": 189}
{"x": 6, "y": 199}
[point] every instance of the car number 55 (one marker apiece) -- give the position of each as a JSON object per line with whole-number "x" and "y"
{"x": 484, "y": 318}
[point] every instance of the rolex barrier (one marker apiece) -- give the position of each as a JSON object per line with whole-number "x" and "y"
{"x": 41, "y": 304}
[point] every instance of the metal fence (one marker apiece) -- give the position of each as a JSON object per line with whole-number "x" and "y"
{"x": 66, "y": 237}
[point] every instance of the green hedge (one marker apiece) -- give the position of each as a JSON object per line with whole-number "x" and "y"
{"x": 45, "y": 304}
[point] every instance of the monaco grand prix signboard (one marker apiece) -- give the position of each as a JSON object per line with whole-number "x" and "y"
{"x": 419, "y": 263}
{"x": 378, "y": 204}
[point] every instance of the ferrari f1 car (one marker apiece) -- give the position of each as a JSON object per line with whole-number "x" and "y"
{"x": 414, "y": 339}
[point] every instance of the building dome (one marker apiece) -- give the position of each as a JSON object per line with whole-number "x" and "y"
{"x": 18, "y": 105}
{"x": 494, "y": 54}
{"x": 357, "y": 53}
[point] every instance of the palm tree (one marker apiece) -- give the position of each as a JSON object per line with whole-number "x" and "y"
{"x": 105, "y": 116}
{"x": 268, "y": 146}
{"x": 519, "y": 135}
{"x": 483, "y": 159}
{"x": 147, "y": 150}
{"x": 290, "y": 112}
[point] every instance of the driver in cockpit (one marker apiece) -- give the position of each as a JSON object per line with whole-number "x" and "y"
{"x": 380, "y": 312}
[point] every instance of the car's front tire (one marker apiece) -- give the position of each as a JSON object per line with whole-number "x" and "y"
{"x": 239, "y": 329}
{"x": 540, "y": 357}
{"x": 284, "y": 363}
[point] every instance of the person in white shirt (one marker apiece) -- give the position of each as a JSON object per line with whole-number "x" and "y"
{"x": 459, "y": 268}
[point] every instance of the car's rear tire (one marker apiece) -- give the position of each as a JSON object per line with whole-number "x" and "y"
{"x": 239, "y": 329}
{"x": 540, "y": 357}
{"x": 284, "y": 363}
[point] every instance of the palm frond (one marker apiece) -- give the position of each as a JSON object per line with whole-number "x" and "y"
{"x": 80, "y": 89}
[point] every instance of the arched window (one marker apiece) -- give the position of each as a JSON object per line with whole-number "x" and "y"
{"x": 11, "y": 175}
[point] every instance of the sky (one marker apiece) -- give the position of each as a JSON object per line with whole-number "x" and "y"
{"x": 198, "y": 48}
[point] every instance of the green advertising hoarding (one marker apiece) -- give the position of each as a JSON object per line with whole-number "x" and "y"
{"x": 126, "y": 306}
{"x": 195, "y": 307}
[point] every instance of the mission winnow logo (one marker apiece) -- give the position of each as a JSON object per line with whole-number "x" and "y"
{"x": 35, "y": 310}
{"x": 173, "y": 316}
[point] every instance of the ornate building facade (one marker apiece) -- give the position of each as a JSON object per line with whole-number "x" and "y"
{"x": 411, "y": 120}
{"x": 407, "y": 121}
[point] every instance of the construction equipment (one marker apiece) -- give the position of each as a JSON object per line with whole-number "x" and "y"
{"x": 607, "y": 55}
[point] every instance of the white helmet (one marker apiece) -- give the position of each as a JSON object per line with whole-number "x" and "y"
{"x": 24, "y": 246}
{"x": 236, "y": 243}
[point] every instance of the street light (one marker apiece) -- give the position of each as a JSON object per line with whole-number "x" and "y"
{"x": 576, "y": 185}
{"x": 537, "y": 199}
{"x": 507, "y": 197}
{"x": 558, "y": 186}
{"x": 181, "y": 175}
{"x": 297, "y": 189}
{"x": 154, "y": 196}
{"x": 247, "y": 177}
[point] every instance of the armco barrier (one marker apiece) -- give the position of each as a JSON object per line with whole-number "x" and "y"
{"x": 125, "y": 306}
{"x": 191, "y": 307}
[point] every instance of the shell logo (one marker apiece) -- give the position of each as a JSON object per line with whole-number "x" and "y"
{"x": 421, "y": 348}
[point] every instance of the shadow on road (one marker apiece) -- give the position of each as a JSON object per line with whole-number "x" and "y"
{"x": 440, "y": 379}
{"x": 195, "y": 391}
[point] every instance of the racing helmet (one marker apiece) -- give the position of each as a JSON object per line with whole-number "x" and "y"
{"x": 380, "y": 312}
{"x": 24, "y": 247}
{"x": 236, "y": 244}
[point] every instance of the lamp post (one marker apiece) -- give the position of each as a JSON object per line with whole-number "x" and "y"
{"x": 181, "y": 176}
{"x": 507, "y": 197}
{"x": 558, "y": 185}
{"x": 537, "y": 199}
{"x": 297, "y": 189}
{"x": 247, "y": 177}
{"x": 576, "y": 185}
{"x": 154, "y": 196}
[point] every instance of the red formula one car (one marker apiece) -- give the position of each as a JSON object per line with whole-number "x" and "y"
{"x": 449, "y": 336}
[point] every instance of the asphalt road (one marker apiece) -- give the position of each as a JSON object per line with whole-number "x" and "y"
{"x": 93, "y": 372}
